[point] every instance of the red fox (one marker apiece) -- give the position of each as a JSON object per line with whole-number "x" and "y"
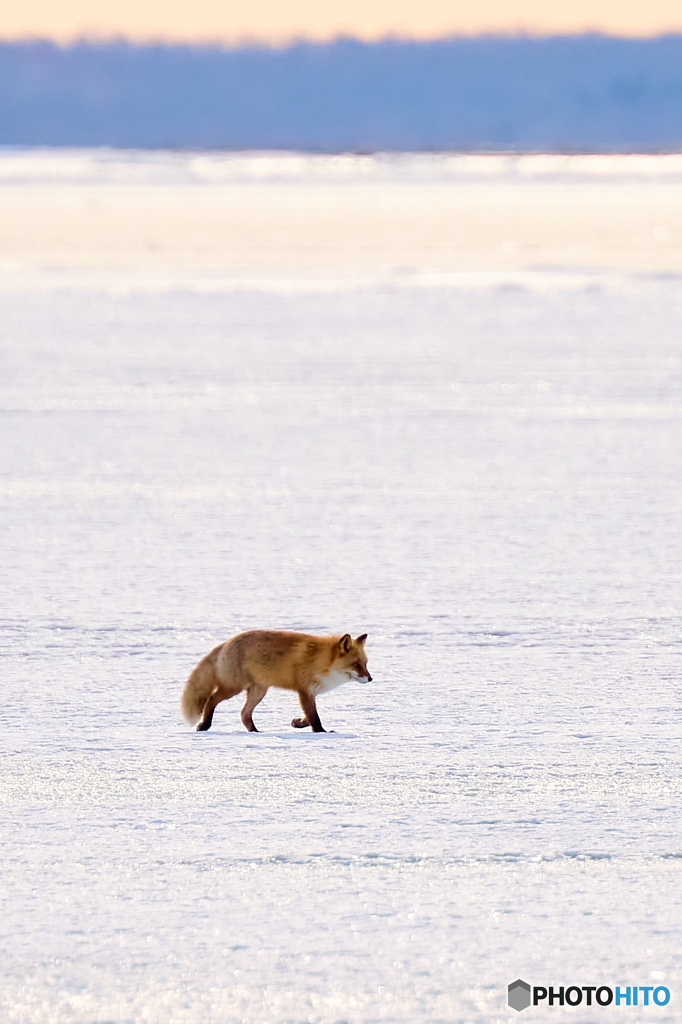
{"x": 262, "y": 658}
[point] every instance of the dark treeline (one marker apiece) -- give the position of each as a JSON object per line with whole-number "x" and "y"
{"x": 574, "y": 93}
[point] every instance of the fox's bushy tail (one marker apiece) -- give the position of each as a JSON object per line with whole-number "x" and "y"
{"x": 198, "y": 688}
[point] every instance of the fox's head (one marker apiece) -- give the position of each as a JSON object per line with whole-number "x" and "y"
{"x": 351, "y": 658}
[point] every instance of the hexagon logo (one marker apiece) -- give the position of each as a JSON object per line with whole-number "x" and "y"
{"x": 518, "y": 995}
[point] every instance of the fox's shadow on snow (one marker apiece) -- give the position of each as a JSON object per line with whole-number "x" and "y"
{"x": 262, "y": 738}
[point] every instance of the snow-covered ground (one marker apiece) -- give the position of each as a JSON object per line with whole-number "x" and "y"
{"x": 484, "y": 472}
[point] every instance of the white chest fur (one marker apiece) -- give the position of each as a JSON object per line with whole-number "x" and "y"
{"x": 331, "y": 680}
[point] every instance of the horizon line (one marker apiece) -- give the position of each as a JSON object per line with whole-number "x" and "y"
{"x": 96, "y": 38}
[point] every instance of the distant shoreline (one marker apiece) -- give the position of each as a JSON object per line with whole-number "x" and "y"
{"x": 497, "y": 94}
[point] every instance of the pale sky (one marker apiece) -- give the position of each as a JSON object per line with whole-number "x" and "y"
{"x": 280, "y": 21}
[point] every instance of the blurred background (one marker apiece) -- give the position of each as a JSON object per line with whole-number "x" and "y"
{"x": 493, "y": 75}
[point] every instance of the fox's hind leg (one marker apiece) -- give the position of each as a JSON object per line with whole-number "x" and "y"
{"x": 216, "y": 695}
{"x": 254, "y": 696}
{"x": 307, "y": 702}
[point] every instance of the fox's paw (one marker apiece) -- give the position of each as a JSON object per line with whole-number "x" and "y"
{"x": 300, "y": 723}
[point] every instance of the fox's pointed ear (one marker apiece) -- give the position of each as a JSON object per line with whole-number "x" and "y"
{"x": 361, "y": 639}
{"x": 345, "y": 643}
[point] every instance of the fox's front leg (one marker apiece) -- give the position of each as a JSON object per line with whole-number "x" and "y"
{"x": 307, "y": 702}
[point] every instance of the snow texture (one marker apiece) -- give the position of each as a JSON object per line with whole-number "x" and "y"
{"x": 573, "y": 93}
{"x": 486, "y": 480}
